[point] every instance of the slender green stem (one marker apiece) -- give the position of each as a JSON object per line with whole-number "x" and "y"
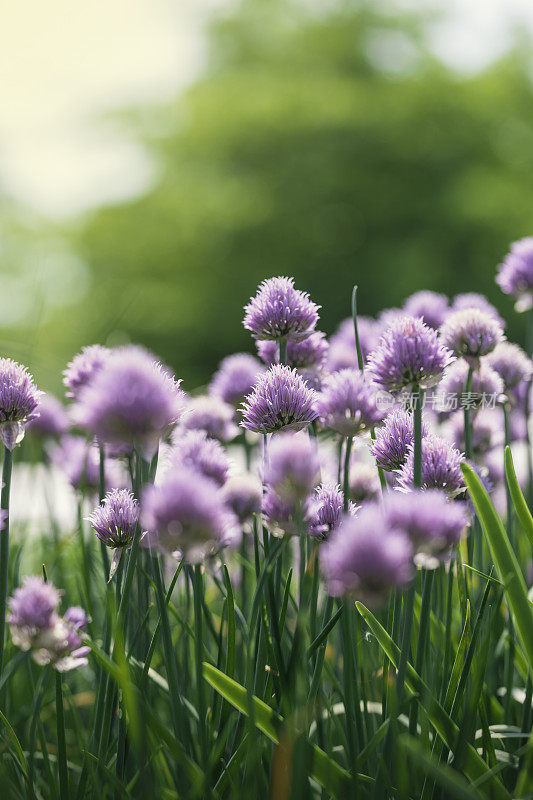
{"x": 61, "y": 742}
{"x": 466, "y": 413}
{"x": 198, "y": 588}
{"x": 282, "y": 351}
{"x": 4, "y": 547}
{"x": 346, "y": 481}
{"x": 418, "y": 397}
{"x": 360, "y": 360}
{"x": 423, "y": 631}
{"x": 101, "y": 495}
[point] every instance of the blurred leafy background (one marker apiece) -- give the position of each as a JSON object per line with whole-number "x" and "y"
{"x": 324, "y": 141}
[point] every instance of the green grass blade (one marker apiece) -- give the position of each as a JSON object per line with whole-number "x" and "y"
{"x": 519, "y": 502}
{"x": 505, "y": 561}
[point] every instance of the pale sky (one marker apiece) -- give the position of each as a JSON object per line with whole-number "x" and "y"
{"x": 64, "y": 62}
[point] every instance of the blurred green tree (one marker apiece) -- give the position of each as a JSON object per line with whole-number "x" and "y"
{"x": 324, "y": 143}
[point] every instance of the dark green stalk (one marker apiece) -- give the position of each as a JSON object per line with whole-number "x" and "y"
{"x": 346, "y": 480}
{"x": 61, "y": 742}
{"x": 101, "y": 495}
{"x": 418, "y": 397}
{"x": 282, "y": 351}
{"x": 466, "y": 414}
{"x": 360, "y": 360}
{"x": 4, "y": 547}
{"x": 423, "y": 630}
{"x": 198, "y": 588}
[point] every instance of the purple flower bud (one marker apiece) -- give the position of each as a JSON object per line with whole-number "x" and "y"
{"x": 211, "y": 415}
{"x": 365, "y": 558}
{"x": 186, "y": 514}
{"x": 235, "y": 378}
{"x": 77, "y": 617}
{"x": 115, "y": 520}
{"x": 80, "y": 461}
{"x": 409, "y": 355}
{"x": 511, "y": 363}
{"x": 279, "y": 311}
{"x": 433, "y": 523}
{"x": 393, "y": 440}
{"x": 132, "y": 399}
{"x": 471, "y": 333}
{"x": 19, "y": 399}
{"x": 83, "y": 367}
{"x": 364, "y": 482}
{"x": 441, "y": 466}
{"x": 193, "y": 449}
{"x": 280, "y": 400}
{"x": 515, "y": 275}
{"x": 293, "y": 468}
{"x": 486, "y": 388}
{"x": 430, "y": 306}
{"x": 282, "y": 516}
{"x": 243, "y": 495}
{"x": 33, "y": 604}
{"x": 467, "y": 300}
{"x": 347, "y": 403}
{"x": 52, "y": 421}
{"x": 325, "y": 511}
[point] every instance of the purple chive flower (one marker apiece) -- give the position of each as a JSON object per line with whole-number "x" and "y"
{"x": 243, "y": 495}
{"x": 433, "y": 523}
{"x": 211, "y": 415}
{"x": 441, "y": 466}
{"x": 80, "y": 462}
{"x": 280, "y": 400}
{"x": 486, "y": 387}
{"x": 132, "y": 399}
{"x": 409, "y": 355}
{"x": 19, "y": 399}
{"x": 36, "y": 626}
{"x": 193, "y": 449}
{"x": 83, "y": 367}
{"x": 365, "y": 558}
{"x": 282, "y": 516}
{"x": 310, "y": 353}
{"x": 235, "y": 378}
{"x": 486, "y": 426}
{"x": 479, "y": 301}
{"x": 186, "y": 514}
{"x": 515, "y": 275}
{"x": 325, "y": 511}
{"x": 431, "y": 306}
{"x": 471, "y": 333}
{"x": 279, "y": 311}
{"x": 115, "y": 519}
{"x": 392, "y": 442}
{"x": 511, "y": 363}
{"x": 293, "y": 467}
{"x": 364, "y": 482}
{"x": 347, "y": 403}
{"x": 342, "y": 352}
{"x": 53, "y": 420}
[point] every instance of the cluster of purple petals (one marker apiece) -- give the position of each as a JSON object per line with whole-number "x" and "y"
{"x": 325, "y": 510}
{"x": 80, "y": 462}
{"x": 131, "y": 399}
{"x": 83, "y": 367}
{"x": 441, "y": 466}
{"x": 393, "y": 439}
{"x": 486, "y": 427}
{"x": 36, "y": 626}
{"x": 515, "y": 275}
{"x": 116, "y": 518}
{"x": 293, "y": 468}
{"x": 471, "y": 333}
{"x": 52, "y": 421}
{"x": 19, "y": 399}
{"x": 511, "y": 363}
{"x": 194, "y": 449}
{"x": 486, "y": 383}
{"x": 409, "y": 355}
{"x": 282, "y": 516}
{"x": 309, "y": 353}
{"x": 243, "y": 495}
{"x": 348, "y": 404}
{"x": 432, "y": 307}
{"x": 185, "y": 514}
{"x": 466, "y": 300}
{"x": 280, "y": 400}
{"x": 279, "y": 311}
{"x": 235, "y": 378}
{"x": 342, "y": 352}
{"x": 212, "y": 415}
{"x": 433, "y": 523}
{"x": 365, "y": 558}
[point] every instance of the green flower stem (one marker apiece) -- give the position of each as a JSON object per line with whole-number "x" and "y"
{"x": 101, "y": 495}
{"x": 282, "y": 351}
{"x": 421, "y": 645}
{"x": 466, "y": 414}
{"x": 198, "y": 588}
{"x": 61, "y": 742}
{"x": 4, "y": 548}
{"x": 346, "y": 480}
{"x": 417, "y": 436}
